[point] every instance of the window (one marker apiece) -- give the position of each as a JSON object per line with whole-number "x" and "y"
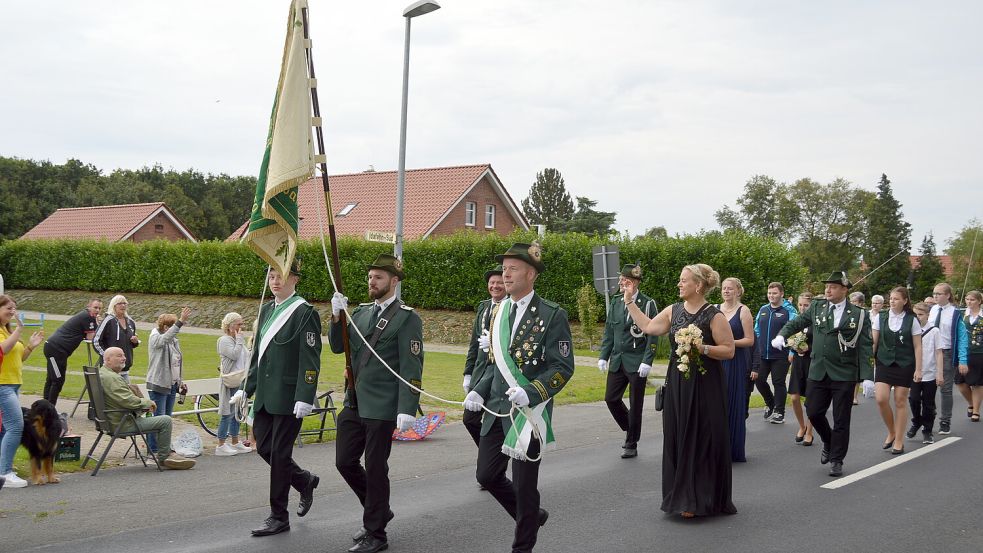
{"x": 470, "y": 214}
{"x": 489, "y": 216}
{"x": 347, "y": 209}
{"x": 159, "y": 229}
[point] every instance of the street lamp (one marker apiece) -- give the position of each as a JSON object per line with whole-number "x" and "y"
{"x": 420, "y": 7}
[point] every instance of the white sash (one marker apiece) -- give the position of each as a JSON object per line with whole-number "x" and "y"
{"x": 277, "y": 324}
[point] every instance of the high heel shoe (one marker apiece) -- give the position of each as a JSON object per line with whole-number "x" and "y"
{"x": 897, "y": 451}
{"x": 805, "y": 443}
{"x": 888, "y": 444}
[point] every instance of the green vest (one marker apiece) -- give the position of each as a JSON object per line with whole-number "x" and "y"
{"x": 896, "y": 347}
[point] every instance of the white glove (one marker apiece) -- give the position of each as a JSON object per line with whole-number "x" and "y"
{"x": 237, "y": 397}
{"x": 602, "y": 365}
{"x": 518, "y": 396}
{"x": 467, "y": 383}
{"x": 339, "y": 303}
{"x": 644, "y": 370}
{"x": 868, "y": 386}
{"x": 778, "y": 342}
{"x": 302, "y": 409}
{"x": 484, "y": 342}
{"x": 474, "y": 401}
{"x": 404, "y": 422}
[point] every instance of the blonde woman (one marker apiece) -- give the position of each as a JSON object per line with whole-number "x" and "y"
{"x": 118, "y": 330}
{"x": 234, "y": 362}
{"x": 972, "y": 385}
{"x": 800, "y": 361}
{"x": 738, "y": 369}
{"x": 696, "y": 465}
{"x": 897, "y": 337}
{"x": 165, "y": 370}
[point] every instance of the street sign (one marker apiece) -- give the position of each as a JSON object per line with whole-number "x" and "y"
{"x": 379, "y": 236}
{"x": 607, "y": 263}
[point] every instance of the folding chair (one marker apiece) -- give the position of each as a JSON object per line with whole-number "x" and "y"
{"x": 97, "y": 403}
{"x": 322, "y": 411}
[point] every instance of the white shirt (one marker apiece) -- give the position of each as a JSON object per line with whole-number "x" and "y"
{"x": 385, "y": 304}
{"x": 520, "y": 310}
{"x": 945, "y": 323}
{"x": 838, "y": 309}
{"x": 894, "y": 321}
{"x": 930, "y": 344}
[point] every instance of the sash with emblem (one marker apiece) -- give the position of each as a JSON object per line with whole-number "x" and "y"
{"x": 529, "y": 423}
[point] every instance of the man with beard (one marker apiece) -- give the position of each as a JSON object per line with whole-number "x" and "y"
{"x": 478, "y": 355}
{"x": 379, "y": 402}
{"x": 283, "y": 374}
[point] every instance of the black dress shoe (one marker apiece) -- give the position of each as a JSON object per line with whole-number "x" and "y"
{"x": 897, "y": 451}
{"x": 307, "y": 496}
{"x": 544, "y": 515}
{"x": 629, "y": 453}
{"x": 824, "y": 456}
{"x": 271, "y": 526}
{"x": 836, "y": 469}
{"x": 362, "y": 532}
{"x": 888, "y": 445}
{"x": 369, "y": 544}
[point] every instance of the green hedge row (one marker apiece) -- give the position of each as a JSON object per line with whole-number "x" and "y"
{"x": 441, "y": 273}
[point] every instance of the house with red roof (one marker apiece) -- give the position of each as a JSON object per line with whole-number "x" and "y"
{"x": 437, "y": 201}
{"x": 113, "y": 223}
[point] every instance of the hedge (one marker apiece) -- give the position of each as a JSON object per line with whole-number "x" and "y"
{"x": 441, "y": 273}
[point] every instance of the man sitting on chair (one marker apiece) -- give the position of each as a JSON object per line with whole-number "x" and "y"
{"x": 120, "y": 396}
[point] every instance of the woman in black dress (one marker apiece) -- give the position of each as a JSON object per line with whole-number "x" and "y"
{"x": 696, "y": 466}
{"x": 800, "y": 361}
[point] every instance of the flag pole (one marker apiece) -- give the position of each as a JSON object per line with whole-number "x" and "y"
{"x": 335, "y": 264}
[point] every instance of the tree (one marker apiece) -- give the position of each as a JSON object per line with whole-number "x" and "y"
{"x": 888, "y": 242}
{"x": 765, "y": 210}
{"x": 929, "y": 271}
{"x": 659, "y": 233}
{"x": 966, "y": 251}
{"x": 587, "y": 220}
{"x": 548, "y": 202}
{"x": 588, "y": 310}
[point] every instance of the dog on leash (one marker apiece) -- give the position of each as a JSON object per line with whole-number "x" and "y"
{"x": 42, "y": 429}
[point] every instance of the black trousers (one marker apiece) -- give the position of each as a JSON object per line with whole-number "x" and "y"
{"x": 472, "y": 422}
{"x": 839, "y": 394}
{"x": 374, "y": 438}
{"x": 922, "y": 403}
{"x": 275, "y": 436}
{"x": 520, "y": 497}
{"x": 628, "y": 418}
{"x": 778, "y": 369}
{"x": 57, "y": 369}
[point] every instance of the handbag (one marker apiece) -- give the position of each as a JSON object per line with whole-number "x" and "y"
{"x": 660, "y": 398}
{"x": 234, "y": 378}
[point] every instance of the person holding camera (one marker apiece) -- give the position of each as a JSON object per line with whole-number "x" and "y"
{"x": 164, "y": 371}
{"x": 234, "y": 362}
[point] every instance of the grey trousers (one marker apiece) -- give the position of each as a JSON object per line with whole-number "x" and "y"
{"x": 948, "y": 375}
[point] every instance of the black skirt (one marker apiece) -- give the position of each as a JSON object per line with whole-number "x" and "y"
{"x": 894, "y": 375}
{"x": 975, "y": 375}
{"x": 800, "y": 374}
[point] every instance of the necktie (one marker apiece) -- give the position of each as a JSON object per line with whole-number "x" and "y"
{"x": 490, "y": 318}
{"x": 376, "y": 311}
{"x": 938, "y": 318}
{"x": 832, "y": 315}
{"x": 515, "y": 309}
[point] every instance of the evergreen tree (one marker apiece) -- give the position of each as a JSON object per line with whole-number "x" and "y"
{"x": 549, "y": 202}
{"x": 929, "y": 271}
{"x": 887, "y": 235}
{"x": 588, "y": 220}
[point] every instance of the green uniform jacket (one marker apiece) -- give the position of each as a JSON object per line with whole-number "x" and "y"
{"x": 477, "y": 360}
{"x": 854, "y": 364}
{"x": 624, "y": 344}
{"x": 119, "y": 395}
{"x": 290, "y": 366}
{"x": 543, "y": 350}
{"x": 379, "y": 394}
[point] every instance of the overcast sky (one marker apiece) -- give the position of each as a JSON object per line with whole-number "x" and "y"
{"x": 659, "y": 110}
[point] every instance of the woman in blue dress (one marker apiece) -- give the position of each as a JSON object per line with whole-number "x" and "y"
{"x": 737, "y": 370}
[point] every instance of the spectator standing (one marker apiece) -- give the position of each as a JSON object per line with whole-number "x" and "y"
{"x": 922, "y": 397}
{"x": 117, "y": 330}
{"x": 60, "y": 346}
{"x": 234, "y": 362}
{"x": 770, "y": 360}
{"x": 955, "y": 340}
{"x": 165, "y": 370}
{"x": 897, "y": 338}
{"x": 15, "y": 353}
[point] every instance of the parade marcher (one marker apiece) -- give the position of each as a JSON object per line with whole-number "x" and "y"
{"x": 63, "y": 343}
{"x": 922, "y": 396}
{"x": 955, "y": 341}
{"x": 972, "y": 379}
{"x": 533, "y": 355}
{"x": 283, "y": 373}
{"x": 738, "y": 368}
{"x": 841, "y": 353}
{"x": 798, "y": 381}
{"x": 626, "y": 356}
{"x": 380, "y": 402}
{"x": 770, "y": 360}
{"x": 477, "y": 360}
{"x": 897, "y": 338}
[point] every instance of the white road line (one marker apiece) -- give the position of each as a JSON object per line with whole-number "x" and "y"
{"x": 881, "y": 467}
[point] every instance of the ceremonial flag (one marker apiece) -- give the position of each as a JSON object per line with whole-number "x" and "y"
{"x": 289, "y": 157}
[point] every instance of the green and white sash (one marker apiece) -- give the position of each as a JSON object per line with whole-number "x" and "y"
{"x": 281, "y": 314}
{"x": 530, "y": 423}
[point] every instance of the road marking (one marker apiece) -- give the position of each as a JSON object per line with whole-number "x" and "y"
{"x": 870, "y": 471}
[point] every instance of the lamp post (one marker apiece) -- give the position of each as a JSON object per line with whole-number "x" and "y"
{"x": 420, "y": 7}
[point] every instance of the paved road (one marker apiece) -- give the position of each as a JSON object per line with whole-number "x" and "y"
{"x": 598, "y": 502}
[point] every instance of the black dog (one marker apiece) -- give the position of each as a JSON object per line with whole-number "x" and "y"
{"x": 42, "y": 429}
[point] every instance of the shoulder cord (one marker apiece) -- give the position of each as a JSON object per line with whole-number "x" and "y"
{"x": 845, "y": 345}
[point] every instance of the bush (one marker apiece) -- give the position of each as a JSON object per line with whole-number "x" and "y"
{"x": 441, "y": 273}
{"x": 588, "y": 311}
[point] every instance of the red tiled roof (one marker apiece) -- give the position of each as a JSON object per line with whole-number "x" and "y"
{"x": 428, "y": 195}
{"x": 946, "y": 261}
{"x": 106, "y": 222}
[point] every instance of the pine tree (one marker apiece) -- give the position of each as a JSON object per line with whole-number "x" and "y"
{"x": 888, "y": 235}
{"x": 548, "y": 203}
{"x": 929, "y": 271}
{"x": 588, "y": 220}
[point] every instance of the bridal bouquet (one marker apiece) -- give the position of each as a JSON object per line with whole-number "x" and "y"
{"x": 798, "y": 343}
{"x": 689, "y": 340}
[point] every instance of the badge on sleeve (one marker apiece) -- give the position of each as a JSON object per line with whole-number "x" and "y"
{"x": 564, "y": 347}
{"x": 310, "y": 377}
{"x": 416, "y": 347}
{"x": 311, "y": 339}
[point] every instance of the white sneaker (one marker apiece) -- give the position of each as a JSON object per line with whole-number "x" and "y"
{"x": 241, "y": 448}
{"x": 225, "y": 450}
{"x": 14, "y": 481}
